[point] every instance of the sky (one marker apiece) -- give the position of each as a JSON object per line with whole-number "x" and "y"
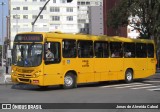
{"x": 5, "y": 13}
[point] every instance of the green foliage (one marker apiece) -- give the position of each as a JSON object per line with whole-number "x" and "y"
{"x": 148, "y": 12}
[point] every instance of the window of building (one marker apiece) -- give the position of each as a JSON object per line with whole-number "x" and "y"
{"x": 41, "y": 16}
{"x": 41, "y": 8}
{"x": 25, "y": 16}
{"x": 34, "y": 16}
{"x": 54, "y": 9}
{"x": 14, "y": 8}
{"x": 69, "y": 9}
{"x": 85, "y": 49}
{"x": 25, "y": 8}
{"x": 81, "y": 20}
{"x": 16, "y": 16}
{"x": 69, "y": 49}
{"x": 18, "y": 8}
{"x": 101, "y": 49}
{"x": 82, "y": 3}
{"x": 54, "y": 1}
{"x": 87, "y": 3}
{"x": 55, "y": 18}
{"x": 116, "y": 49}
{"x": 69, "y": 18}
{"x": 63, "y": 1}
{"x": 42, "y": 0}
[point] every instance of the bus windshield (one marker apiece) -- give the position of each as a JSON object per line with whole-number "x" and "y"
{"x": 27, "y": 55}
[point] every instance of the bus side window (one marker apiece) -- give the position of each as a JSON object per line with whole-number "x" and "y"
{"x": 85, "y": 49}
{"x": 101, "y": 49}
{"x": 54, "y": 48}
{"x": 69, "y": 49}
{"x": 150, "y": 50}
{"x": 116, "y": 49}
{"x": 129, "y": 50}
{"x": 141, "y": 50}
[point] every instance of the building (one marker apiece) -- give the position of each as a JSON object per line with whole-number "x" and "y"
{"x": 84, "y": 13}
{"x": 96, "y": 20}
{"x": 57, "y": 15}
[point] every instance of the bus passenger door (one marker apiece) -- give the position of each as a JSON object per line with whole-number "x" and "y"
{"x": 52, "y": 65}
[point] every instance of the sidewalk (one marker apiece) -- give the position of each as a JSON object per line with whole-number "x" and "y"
{"x": 5, "y": 78}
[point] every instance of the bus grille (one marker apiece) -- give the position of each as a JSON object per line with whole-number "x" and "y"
{"x": 24, "y": 71}
{"x": 24, "y": 80}
{"x": 24, "y": 75}
{"x": 27, "y": 71}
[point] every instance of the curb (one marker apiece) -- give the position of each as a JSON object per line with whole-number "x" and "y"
{"x": 5, "y": 79}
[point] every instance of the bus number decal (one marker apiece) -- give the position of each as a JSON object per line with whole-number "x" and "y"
{"x": 85, "y": 63}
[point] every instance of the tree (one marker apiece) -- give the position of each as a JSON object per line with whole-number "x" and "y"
{"x": 148, "y": 12}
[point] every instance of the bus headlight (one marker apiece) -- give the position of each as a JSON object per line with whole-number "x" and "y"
{"x": 12, "y": 71}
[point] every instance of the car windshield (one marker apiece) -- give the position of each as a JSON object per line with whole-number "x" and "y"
{"x": 27, "y": 55}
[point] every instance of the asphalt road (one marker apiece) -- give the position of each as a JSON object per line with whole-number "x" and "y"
{"x": 144, "y": 91}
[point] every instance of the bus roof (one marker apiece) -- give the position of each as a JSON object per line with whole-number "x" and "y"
{"x": 60, "y": 35}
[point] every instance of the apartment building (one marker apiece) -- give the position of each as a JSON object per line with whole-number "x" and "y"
{"x": 57, "y": 15}
{"x": 84, "y": 13}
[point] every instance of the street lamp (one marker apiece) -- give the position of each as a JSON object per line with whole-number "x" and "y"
{"x": 2, "y": 3}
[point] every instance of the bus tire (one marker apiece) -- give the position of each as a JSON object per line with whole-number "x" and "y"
{"x": 43, "y": 87}
{"x": 128, "y": 76}
{"x": 70, "y": 81}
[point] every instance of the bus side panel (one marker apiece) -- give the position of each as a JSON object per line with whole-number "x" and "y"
{"x": 85, "y": 71}
{"x": 140, "y": 67}
{"x": 101, "y": 69}
{"x": 151, "y": 66}
{"x": 53, "y": 74}
{"x": 115, "y": 66}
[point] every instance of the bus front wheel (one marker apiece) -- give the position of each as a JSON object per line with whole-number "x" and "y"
{"x": 69, "y": 81}
{"x": 129, "y": 76}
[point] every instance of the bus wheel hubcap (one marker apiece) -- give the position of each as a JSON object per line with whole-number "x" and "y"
{"x": 68, "y": 81}
{"x": 129, "y": 76}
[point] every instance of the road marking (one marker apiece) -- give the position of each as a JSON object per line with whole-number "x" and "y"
{"x": 120, "y": 85}
{"x": 134, "y": 86}
{"x": 151, "y": 81}
{"x": 156, "y": 89}
{"x": 145, "y": 87}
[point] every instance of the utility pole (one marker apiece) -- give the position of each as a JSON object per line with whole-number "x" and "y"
{"x": 38, "y": 15}
{"x": 2, "y": 3}
{"x": 68, "y": 1}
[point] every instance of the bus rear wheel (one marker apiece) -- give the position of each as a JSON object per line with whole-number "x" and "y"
{"x": 69, "y": 81}
{"x": 129, "y": 76}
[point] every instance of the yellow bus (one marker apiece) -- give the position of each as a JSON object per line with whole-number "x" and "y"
{"x": 79, "y": 59}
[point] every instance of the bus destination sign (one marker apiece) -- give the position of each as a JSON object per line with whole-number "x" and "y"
{"x": 29, "y": 38}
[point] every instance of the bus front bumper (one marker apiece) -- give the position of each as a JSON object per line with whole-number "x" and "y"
{"x": 32, "y": 81}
